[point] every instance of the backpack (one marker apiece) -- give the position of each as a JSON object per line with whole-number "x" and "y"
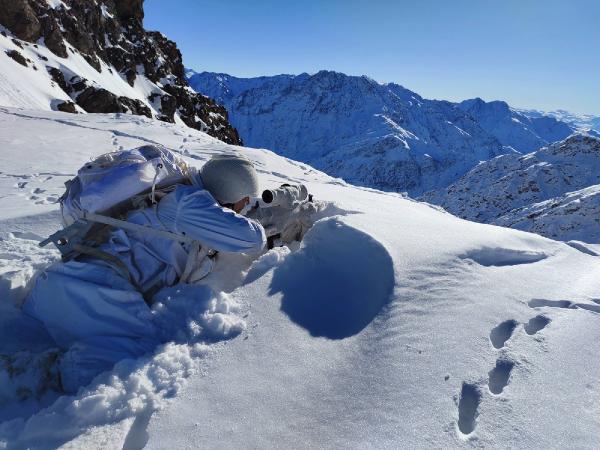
{"x": 107, "y": 184}
{"x": 98, "y": 199}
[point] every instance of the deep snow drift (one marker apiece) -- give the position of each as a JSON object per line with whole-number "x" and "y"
{"x": 393, "y": 324}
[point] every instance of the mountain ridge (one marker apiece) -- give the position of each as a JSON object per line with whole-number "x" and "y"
{"x": 377, "y": 135}
{"x": 554, "y": 191}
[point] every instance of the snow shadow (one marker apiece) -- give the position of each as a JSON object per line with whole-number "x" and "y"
{"x": 337, "y": 283}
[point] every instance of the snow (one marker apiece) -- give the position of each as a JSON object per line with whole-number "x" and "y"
{"x": 353, "y": 127}
{"x": 105, "y": 12}
{"x": 363, "y": 336}
{"x": 514, "y": 129}
{"x": 56, "y": 4}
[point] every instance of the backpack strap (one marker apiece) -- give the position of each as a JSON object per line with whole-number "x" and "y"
{"x": 71, "y": 242}
{"x": 117, "y": 223}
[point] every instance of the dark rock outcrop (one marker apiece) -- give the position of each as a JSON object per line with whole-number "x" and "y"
{"x": 67, "y": 107}
{"x": 130, "y": 9}
{"x": 109, "y": 35}
{"x": 102, "y": 101}
{"x": 14, "y": 54}
{"x": 20, "y": 18}
{"x": 59, "y": 79}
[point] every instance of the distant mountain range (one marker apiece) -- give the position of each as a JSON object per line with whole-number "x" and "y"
{"x": 378, "y": 135}
{"x": 554, "y": 191}
{"x": 583, "y": 122}
{"x": 483, "y": 161}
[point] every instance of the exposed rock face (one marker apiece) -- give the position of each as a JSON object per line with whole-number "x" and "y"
{"x": 21, "y": 19}
{"x": 18, "y": 57}
{"x": 110, "y": 36}
{"x": 67, "y": 107}
{"x": 130, "y": 9}
{"x": 103, "y": 101}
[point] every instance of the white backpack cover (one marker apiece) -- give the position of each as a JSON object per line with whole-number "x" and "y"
{"x": 113, "y": 178}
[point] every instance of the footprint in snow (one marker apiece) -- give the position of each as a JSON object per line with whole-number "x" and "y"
{"x": 468, "y": 408}
{"x": 540, "y": 302}
{"x": 565, "y": 304}
{"x": 502, "y": 333}
{"x": 536, "y": 324}
{"x": 499, "y": 376}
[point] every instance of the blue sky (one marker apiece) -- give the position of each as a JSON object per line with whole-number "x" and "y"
{"x": 532, "y": 53}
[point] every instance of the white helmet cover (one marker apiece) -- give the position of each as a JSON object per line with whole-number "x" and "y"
{"x": 229, "y": 178}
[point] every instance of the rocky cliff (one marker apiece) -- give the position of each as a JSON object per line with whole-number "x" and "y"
{"x": 96, "y": 56}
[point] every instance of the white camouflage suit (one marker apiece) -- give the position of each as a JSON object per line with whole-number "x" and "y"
{"x": 96, "y": 316}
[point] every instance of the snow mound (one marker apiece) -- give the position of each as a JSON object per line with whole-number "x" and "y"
{"x": 337, "y": 283}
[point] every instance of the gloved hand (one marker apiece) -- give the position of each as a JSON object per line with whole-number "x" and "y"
{"x": 299, "y": 222}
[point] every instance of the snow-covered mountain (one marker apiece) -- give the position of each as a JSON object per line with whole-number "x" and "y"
{"x": 394, "y": 324}
{"x": 554, "y": 191}
{"x": 372, "y": 134}
{"x": 95, "y": 56}
{"x": 583, "y": 122}
{"x": 521, "y": 132}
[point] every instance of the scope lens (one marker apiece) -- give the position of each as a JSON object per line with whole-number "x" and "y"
{"x": 267, "y": 196}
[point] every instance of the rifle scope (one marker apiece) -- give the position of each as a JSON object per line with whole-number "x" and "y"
{"x": 286, "y": 195}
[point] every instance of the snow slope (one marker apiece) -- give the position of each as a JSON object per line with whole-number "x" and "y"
{"x": 377, "y": 135}
{"x": 553, "y": 191}
{"x": 393, "y": 325}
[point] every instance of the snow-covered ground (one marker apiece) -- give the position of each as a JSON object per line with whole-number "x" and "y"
{"x": 394, "y": 324}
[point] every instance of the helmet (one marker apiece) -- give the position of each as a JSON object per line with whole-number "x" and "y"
{"x": 229, "y": 178}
